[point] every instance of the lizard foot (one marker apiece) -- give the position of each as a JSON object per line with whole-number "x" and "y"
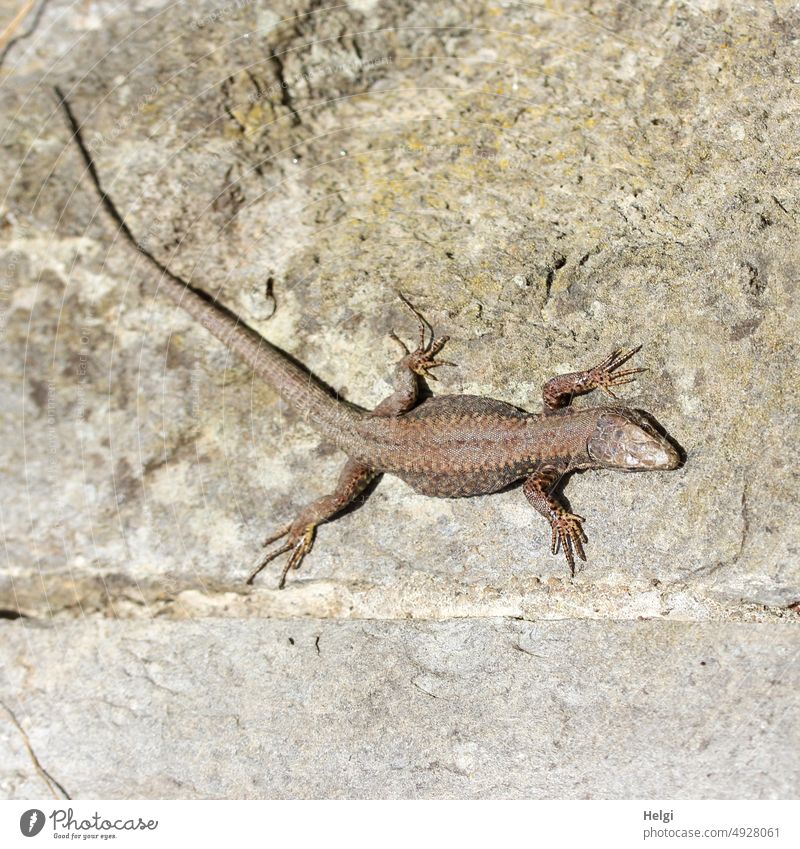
{"x": 605, "y": 375}
{"x": 568, "y": 534}
{"x": 423, "y": 358}
{"x": 300, "y": 541}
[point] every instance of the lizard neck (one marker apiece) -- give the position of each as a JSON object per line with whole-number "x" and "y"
{"x": 560, "y": 438}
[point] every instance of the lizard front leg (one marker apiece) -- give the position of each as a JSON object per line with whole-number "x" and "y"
{"x": 353, "y": 480}
{"x": 567, "y": 530}
{"x": 559, "y": 391}
{"x": 415, "y": 364}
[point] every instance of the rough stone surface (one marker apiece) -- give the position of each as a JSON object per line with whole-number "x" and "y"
{"x": 482, "y": 708}
{"x": 546, "y": 183}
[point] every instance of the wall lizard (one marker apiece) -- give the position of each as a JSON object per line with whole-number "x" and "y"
{"x": 447, "y": 446}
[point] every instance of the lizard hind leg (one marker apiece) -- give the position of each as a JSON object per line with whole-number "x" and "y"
{"x": 423, "y": 358}
{"x": 300, "y": 542}
{"x": 414, "y": 364}
{"x": 300, "y": 533}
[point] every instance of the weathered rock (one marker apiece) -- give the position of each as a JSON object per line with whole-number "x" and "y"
{"x": 540, "y": 214}
{"x": 546, "y": 184}
{"x": 481, "y": 708}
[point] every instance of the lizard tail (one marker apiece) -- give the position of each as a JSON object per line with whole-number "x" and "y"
{"x": 331, "y": 417}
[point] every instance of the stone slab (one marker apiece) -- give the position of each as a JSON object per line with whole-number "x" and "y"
{"x": 467, "y": 709}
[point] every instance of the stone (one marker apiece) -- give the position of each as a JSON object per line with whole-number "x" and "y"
{"x": 475, "y": 708}
{"x": 546, "y": 184}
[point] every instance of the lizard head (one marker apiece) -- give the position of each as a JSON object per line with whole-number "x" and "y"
{"x": 626, "y": 440}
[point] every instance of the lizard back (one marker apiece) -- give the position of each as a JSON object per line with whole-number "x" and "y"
{"x": 453, "y": 445}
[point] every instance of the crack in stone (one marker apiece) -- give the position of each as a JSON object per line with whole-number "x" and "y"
{"x": 705, "y": 571}
{"x": 423, "y": 690}
{"x": 518, "y": 646}
{"x": 15, "y": 23}
{"x": 745, "y": 522}
{"x": 55, "y": 787}
{"x": 286, "y": 96}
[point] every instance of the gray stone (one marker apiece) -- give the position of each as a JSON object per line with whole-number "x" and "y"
{"x": 539, "y": 214}
{"x": 473, "y": 708}
{"x": 546, "y": 184}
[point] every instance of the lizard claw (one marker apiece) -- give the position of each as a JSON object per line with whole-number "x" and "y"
{"x": 605, "y": 375}
{"x": 300, "y": 541}
{"x": 568, "y": 534}
{"x": 423, "y": 358}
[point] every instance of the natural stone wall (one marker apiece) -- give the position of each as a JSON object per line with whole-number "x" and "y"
{"x": 546, "y": 184}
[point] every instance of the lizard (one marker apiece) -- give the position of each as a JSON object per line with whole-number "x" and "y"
{"x": 447, "y": 446}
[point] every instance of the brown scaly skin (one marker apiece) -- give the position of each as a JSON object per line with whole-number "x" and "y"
{"x": 449, "y": 446}
{"x": 461, "y": 445}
